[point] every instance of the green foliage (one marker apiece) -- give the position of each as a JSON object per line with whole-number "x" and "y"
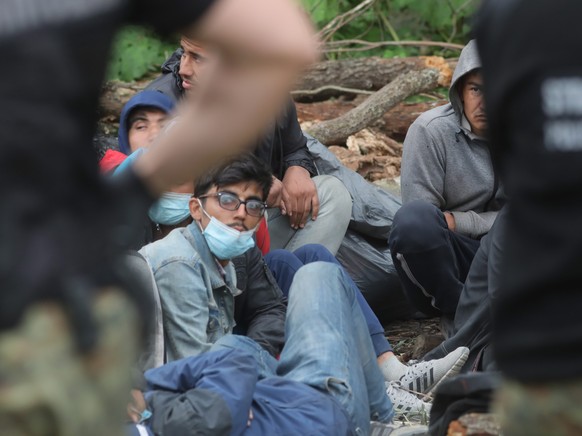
{"x": 323, "y": 11}
{"x": 137, "y": 51}
{"x": 398, "y": 20}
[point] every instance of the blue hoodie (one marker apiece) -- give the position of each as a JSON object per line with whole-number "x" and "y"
{"x": 144, "y": 98}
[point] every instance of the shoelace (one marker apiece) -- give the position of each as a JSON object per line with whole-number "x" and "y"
{"x": 407, "y": 410}
{"x": 395, "y": 385}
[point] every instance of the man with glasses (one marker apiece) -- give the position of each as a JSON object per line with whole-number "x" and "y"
{"x": 305, "y": 207}
{"x": 194, "y": 274}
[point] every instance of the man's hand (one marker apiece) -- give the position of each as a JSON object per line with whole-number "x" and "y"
{"x": 136, "y": 406}
{"x": 299, "y": 197}
{"x": 275, "y": 198}
{"x": 450, "y": 218}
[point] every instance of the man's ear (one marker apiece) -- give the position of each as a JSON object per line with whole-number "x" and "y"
{"x": 195, "y": 209}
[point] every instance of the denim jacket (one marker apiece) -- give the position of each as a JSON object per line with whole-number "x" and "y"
{"x": 197, "y": 299}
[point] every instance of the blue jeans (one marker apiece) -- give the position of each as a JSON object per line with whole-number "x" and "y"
{"x": 284, "y": 264}
{"x": 328, "y": 345}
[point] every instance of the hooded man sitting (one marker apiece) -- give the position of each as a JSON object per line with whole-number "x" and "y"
{"x": 141, "y": 119}
{"x": 450, "y": 194}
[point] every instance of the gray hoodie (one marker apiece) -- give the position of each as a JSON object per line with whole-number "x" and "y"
{"x": 446, "y": 164}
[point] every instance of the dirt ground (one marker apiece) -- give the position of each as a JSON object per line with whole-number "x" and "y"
{"x": 412, "y": 339}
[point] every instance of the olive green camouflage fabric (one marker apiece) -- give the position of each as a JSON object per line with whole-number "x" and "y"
{"x": 548, "y": 409}
{"x": 48, "y": 388}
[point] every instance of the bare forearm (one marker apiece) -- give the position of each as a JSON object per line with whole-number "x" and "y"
{"x": 259, "y": 30}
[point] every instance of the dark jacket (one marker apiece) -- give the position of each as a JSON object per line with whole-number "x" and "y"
{"x": 191, "y": 288}
{"x": 283, "y": 144}
{"x": 260, "y": 310}
{"x": 532, "y": 99}
{"x": 212, "y": 394}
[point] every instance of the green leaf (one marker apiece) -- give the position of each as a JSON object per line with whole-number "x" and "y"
{"x": 136, "y": 51}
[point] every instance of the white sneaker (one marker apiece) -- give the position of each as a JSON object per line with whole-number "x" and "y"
{"x": 397, "y": 429}
{"x": 424, "y": 377}
{"x": 407, "y": 406}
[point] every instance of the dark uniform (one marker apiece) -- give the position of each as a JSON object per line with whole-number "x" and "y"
{"x": 533, "y": 89}
{"x": 67, "y": 327}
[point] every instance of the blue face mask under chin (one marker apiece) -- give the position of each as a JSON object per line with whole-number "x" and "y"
{"x": 170, "y": 209}
{"x": 224, "y": 241}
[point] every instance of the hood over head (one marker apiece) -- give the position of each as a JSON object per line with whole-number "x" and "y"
{"x": 468, "y": 62}
{"x": 144, "y": 98}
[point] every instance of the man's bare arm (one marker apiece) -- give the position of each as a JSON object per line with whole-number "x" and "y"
{"x": 261, "y": 30}
{"x": 262, "y": 46}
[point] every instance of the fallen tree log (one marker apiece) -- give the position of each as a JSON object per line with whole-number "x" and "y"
{"x": 114, "y": 95}
{"x": 394, "y": 123}
{"x": 326, "y": 79}
{"x": 322, "y": 81}
{"x": 336, "y": 131}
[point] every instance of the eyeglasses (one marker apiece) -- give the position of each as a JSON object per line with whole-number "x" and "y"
{"x": 231, "y": 202}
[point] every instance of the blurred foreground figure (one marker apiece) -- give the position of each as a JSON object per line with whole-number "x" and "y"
{"x": 68, "y": 324}
{"x": 533, "y": 91}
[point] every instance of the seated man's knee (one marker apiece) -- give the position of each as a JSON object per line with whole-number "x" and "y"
{"x": 313, "y": 253}
{"x": 416, "y": 225}
{"x": 331, "y": 191}
{"x": 316, "y": 269}
{"x": 320, "y": 280}
{"x": 281, "y": 256}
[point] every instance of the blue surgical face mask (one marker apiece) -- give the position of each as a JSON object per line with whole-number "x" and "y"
{"x": 170, "y": 209}
{"x": 224, "y": 241}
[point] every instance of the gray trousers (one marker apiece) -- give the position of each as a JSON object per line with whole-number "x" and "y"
{"x": 335, "y": 211}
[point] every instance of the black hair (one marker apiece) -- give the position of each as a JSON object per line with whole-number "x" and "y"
{"x": 243, "y": 168}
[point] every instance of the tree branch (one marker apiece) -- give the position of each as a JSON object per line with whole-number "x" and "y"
{"x": 302, "y": 93}
{"x": 338, "y": 22}
{"x": 339, "y": 46}
{"x": 336, "y": 131}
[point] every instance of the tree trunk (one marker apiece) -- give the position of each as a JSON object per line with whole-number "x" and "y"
{"x": 325, "y": 79}
{"x": 394, "y": 123}
{"x": 114, "y": 95}
{"x": 367, "y": 74}
{"x": 336, "y": 131}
